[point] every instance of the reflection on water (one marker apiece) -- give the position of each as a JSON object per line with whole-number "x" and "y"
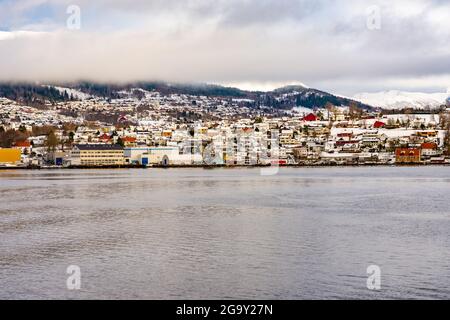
{"x": 225, "y": 233}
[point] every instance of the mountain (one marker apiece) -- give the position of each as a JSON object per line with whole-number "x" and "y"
{"x": 401, "y": 99}
{"x": 113, "y": 90}
{"x": 304, "y": 97}
{"x": 285, "y": 98}
{"x": 32, "y": 93}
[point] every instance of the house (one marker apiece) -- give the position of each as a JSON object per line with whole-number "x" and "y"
{"x": 310, "y": 117}
{"x": 166, "y": 133}
{"x": 104, "y": 138}
{"x": 407, "y": 155}
{"x": 339, "y": 114}
{"x": 24, "y": 146}
{"x": 345, "y": 140}
{"x": 427, "y": 134}
{"x": 97, "y": 155}
{"x": 129, "y": 141}
{"x": 372, "y": 139}
{"x": 379, "y": 125}
{"x": 429, "y": 149}
{"x": 300, "y": 153}
{"x": 287, "y": 137}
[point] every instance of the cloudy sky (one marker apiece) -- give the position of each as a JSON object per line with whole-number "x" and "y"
{"x": 343, "y": 46}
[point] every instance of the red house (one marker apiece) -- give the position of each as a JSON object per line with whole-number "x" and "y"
{"x": 22, "y": 144}
{"x": 129, "y": 139}
{"x": 379, "y": 124}
{"x": 104, "y": 137}
{"x": 310, "y": 117}
{"x": 407, "y": 155}
{"x": 429, "y": 145}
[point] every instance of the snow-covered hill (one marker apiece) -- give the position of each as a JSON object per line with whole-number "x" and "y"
{"x": 76, "y": 94}
{"x": 401, "y": 99}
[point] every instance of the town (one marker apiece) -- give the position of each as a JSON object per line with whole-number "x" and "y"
{"x": 184, "y": 130}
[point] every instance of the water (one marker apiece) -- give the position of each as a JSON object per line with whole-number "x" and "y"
{"x": 305, "y": 233}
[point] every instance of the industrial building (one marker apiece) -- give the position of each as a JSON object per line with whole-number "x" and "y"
{"x": 159, "y": 156}
{"x": 10, "y": 156}
{"x": 97, "y": 155}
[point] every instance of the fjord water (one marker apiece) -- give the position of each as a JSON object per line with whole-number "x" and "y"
{"x": 305, "y": 233}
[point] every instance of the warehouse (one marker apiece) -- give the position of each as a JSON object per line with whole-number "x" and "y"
{"x": 10, "y": 156}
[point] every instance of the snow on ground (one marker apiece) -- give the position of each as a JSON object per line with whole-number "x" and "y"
{"x": 301, "y": 110}
{"x": 425, "y": 118}
{"x": 74, "y": 93}
{"x": 400, "y": 99}
{"x": 4, "y": 100}
{"x": 390, "y": 133}
{"x": 243, "y": 100}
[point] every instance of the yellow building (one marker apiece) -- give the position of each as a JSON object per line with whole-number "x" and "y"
{"x": 97, "y": 155}
{"x": 166, "y": 133}
{"x": 426, "y": 134}
{"x": 10, "y": 156}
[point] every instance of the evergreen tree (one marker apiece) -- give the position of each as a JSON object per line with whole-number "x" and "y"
{"x": 120, "y": 142}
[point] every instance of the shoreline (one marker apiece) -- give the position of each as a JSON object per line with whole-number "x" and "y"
{"x": 212, "y": 167}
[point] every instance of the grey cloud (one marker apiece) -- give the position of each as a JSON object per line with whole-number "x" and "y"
{"x": 236, "y": 41}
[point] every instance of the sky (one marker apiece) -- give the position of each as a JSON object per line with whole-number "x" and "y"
{"x": 341, "y": 46}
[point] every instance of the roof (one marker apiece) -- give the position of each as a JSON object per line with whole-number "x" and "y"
{"x": 99, "y": 147}
{"x": 379, "y": 124}
{"x": 429, "y": 145}
{"x": 129, "y": 139}
{"x": 407, "y": 151}
{"x": 310, "y": 117}
{"x": 104, "y": 137}
{"x": 22, "y": 144}
{"x": 345, "y": 134}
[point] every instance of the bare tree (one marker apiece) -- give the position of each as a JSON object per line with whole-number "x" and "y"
{"x": 331, "y": 110}
{"x": 51, "y": 142}
{"x": 354, "y": 111}
{"x": 445, "y": 122}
